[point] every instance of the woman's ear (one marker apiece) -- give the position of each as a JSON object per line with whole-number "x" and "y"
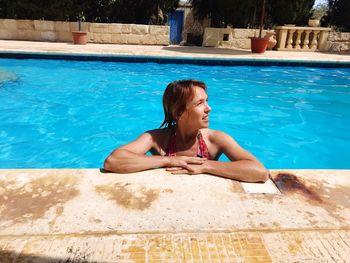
{"x": 178, "y": 117}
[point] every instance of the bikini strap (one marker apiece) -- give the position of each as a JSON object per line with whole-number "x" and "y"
{"x": 202, "y": 149}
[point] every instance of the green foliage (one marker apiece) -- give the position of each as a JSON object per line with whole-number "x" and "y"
{"x": 226, "y": 12}
{"x": 123, "y": 11}
{"x": 338, "y": 14}
{"x": 290, "y": 12}
{"x": 246, "y": 13}
{"x": 141, "y": 12}
{"x": 319, "y": 11}
{"x": 41, "y": 9}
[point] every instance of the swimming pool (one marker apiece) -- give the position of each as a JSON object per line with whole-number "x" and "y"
{"x": 71, "y": 114}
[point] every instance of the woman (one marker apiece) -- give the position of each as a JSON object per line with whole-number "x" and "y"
{"x": 186, "y": 145}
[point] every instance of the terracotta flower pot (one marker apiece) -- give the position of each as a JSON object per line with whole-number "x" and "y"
{"x": 79, "y": 37}
{"x": 258, "y": 45}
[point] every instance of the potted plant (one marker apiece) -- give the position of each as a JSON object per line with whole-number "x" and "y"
{"x": 314, "y": 20}
{"x": 80, "y": 37}
{"x": 259, "y": 44}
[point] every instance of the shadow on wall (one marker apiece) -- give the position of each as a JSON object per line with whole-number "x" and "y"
{"x": 208, "y": 50}
{"x": 72, "y": 256}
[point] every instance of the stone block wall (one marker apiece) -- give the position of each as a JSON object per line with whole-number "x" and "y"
{"x": 193, "y": 27}
{"x": 107, "y": 33}
{"x": 229, "y": 37}
{"x": 338, "y": 42}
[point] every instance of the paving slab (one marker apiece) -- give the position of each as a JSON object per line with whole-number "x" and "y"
{"x": 167, "y": 51}
{"x": 86, "y": 215}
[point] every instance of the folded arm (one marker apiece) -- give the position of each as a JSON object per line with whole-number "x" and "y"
{"x": 131, "y": 157}
{"x": 243, "y": 165}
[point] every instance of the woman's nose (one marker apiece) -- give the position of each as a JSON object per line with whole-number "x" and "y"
{"x": 207, "y": 107}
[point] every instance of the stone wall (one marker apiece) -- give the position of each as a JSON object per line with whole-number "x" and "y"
{"x": 193, "y": 28}
{"x": 58, "y": 31}
{"x": 229, "y": 37}
{"x": 338, "y": 42}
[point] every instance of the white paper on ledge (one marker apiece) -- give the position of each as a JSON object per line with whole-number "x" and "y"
{"x": 261, "y": 188}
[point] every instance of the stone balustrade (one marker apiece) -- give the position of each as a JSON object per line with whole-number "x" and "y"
{"x": 107, "y": 33}
{"x": 302, "y": 38}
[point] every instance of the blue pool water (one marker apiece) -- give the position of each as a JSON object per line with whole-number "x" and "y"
{"x": 56, "y": 113}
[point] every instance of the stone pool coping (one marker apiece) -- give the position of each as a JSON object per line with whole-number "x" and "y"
{"x": 175, "y": 52}
{"x": 86, "y": 214}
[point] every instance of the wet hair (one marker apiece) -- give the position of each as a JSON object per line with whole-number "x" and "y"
{"x": 176, "y": 96}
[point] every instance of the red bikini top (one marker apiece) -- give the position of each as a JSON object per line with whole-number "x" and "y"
{"x": 202, "y": 149}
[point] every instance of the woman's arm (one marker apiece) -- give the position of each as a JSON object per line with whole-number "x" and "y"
{"x": 243, "y": 166}
{"x": 131, "y": 157}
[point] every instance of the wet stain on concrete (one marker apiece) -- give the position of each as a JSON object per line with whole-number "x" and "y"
{"x": 94, "y": 220}
{"x": 75, "y": 254}
{"x": 128, "y": 195}
{"x": 236, "y": 187}
{"x": 7, "y": 256}
{"x": 336, "y": 201}
{"x": 289, "y": 183}
{"x": 276, "y": 224}
{"x": 333, "y": 199}
{"x": 339, "y": 195}
{"x": 295, "y": 245}
{"x": 59, "y": 212}
{"x": 22, "y": 203}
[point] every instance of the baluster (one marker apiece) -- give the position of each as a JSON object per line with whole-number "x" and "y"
{"x": 282, "y": 37}
{"x": 306, "y": 40}
{"x": 322, "y": 41}
{"x": 314, "y": 41}
{"x": 298, "y": 41}
{"x": 290, "y": 38}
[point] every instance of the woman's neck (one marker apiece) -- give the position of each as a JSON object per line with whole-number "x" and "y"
{"x": 184, "y": 136}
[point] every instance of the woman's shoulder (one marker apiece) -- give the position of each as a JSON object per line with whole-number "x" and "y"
{"x": 159, "y": 134}
{"x": 211, "y": 132}
{"x": 214, "y": 135}
{"x": 160, "y": 139}
{"x": 159, "y": 131}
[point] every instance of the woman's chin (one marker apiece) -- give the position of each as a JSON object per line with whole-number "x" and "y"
{"x": 205, "y": 124}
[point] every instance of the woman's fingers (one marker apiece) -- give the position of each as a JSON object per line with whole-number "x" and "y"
{"x": 182, "y": 161}
{"x": 180, "y": 171}
{"x": 187, "y": 169}
{"x": 195, "y": 160}
{"x": 173, "y": 168}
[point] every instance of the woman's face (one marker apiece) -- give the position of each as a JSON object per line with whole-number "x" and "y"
{"x": 197, "y": 111}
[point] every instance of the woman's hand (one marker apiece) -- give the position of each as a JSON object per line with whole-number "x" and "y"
{"x": 186, "y": 165}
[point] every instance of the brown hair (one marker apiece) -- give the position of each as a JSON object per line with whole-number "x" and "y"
{"x": 176, "y": 96}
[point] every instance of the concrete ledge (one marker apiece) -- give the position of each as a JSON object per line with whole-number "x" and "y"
{"x": 61, "y": 214}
